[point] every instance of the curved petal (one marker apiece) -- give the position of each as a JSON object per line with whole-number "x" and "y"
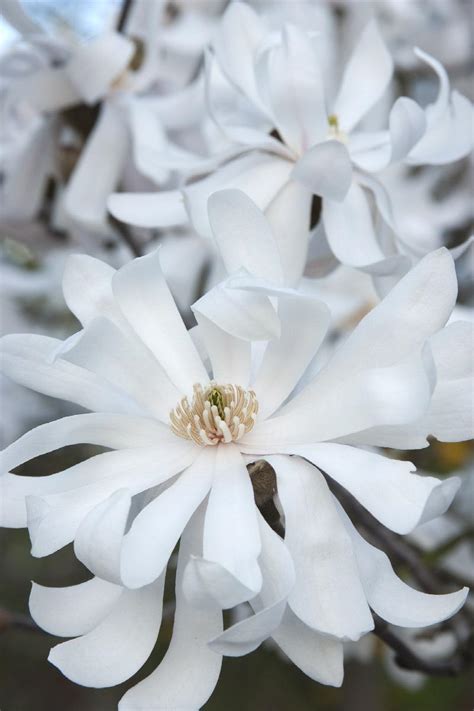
{"x": 163, "y": 209}
{"x": 409, "y": 499}
{"x": 145, "y": 300}
{"x": 450, "y": 417}
{"x": 243, "y": 235}
{"x": 278, "y": 579}
{"x": 114, "y": 650}
{"x": 105, "y": 350}
{"x": 105, "y": 430}
{"x": 94, "y": 66}
{"x": 229, "y": 355}
{"x": 292, "y": 83}
{"x": 29, "y": 360}
{"x": 339, "y": 402}
{"x": 87, "y": 288}
{"x": 149, "y": 140}
{"x": 289, "y": 214}
{"x": 257, "y": 174}
{"x": 304, "y": 323}
{"x": 244, "y": 315}
{"x": 327, "y": 595}
{"x": 75, "y": 610}
{"x": 320, "y": 657}
{"x": 235, "y": 45}
{"x": 189, "y": 670}
{"x": 365, "y": 78}
{"x": 350, "y": 229}
{"x": 66, "y": 497}
{"x": 391, "y": 598}
{"x": 154, "y": 533}
{"x": 231, "y": 533}
{"x": 326, "y": 169}
{"x": 407, "y": 124}
{"x": 98, "y": 170}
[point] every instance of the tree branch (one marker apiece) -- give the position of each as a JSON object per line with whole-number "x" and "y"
{"x": 406, "y": 658}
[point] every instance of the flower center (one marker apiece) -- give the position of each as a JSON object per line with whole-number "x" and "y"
{"x": 219, "y": 413}
{"x": 334, "y": 130}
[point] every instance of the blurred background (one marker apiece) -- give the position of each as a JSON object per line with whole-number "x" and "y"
{"x": 35, "y": 240}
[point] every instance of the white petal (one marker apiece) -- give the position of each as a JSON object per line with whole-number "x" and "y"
{"x": 47, "y": 90}
{"x": 320, "y": 657}
{"x": 293, "y": 85}
{"x": 98, "y": 541}
{"x": 145, "y": 300}
{"x": 125, "y": 363}
{"x": 339, "y": 402}
{"x": 278, "y": 579}
{"x": 106, "y": 430}
{"x": 235, "y": 45}
{"x": 98, "y": 170}
{"x": 304, "y": 322}
{"x": 388, "y": 488}
{"x": 327, "y": 595}
{"x": 164, "y": 209}
{"x": 258, "y": 175}
{"x": 67, "y": 497}
{"x": 407, "y": 125}
{"x": 450, "y": 138}
{"x": 95, "y": 65}
{"x": 15, "y": 15}
{"x": 366, "y": 77}
{"x": 28, "y": 360}
{"x": 243, "y": 235}
{"x": 326, "y": 169}
{"x": 229, "y": 356}
{"x": 87, "y": 288}
{"x": 149, "y": 140}
{"x": 75, "y": 610}
{"x": 350, "y": 229}
{"x": 242, "y": 314}
{"x": 231, "y": 533}
{"x": 289, "y": 217}
{"x": 189, "y": 671}
{"x": 391, "y": 598}
{"x": 450, "y": 416}
{"x": 119, "y": 646}
{"x": 154, "y": 533}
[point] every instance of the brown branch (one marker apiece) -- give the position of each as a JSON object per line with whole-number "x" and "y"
{"x": 406, "y": 658}
{"x": 10, "y": 619}
{"x": 124, "y": 13}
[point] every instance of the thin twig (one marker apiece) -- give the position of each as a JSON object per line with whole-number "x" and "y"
{"x": 124, "y": 13}
{"x": 406, "y": 658}
{"x": 10, "y": 619}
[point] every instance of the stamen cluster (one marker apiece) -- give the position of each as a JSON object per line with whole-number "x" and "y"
{"x": 219, "y": 413}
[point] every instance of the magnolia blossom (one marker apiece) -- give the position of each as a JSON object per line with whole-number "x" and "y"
{"x": 119, "y": 74}
{"x": 261, "y": 83}
{"x": 184, "y": 413}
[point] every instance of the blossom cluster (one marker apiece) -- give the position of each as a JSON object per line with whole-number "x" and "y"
{"x": 231, "y": 428}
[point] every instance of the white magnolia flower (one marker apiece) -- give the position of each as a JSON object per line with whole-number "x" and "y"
{"x": 183, "y": 425}
{"x": 107, "y": 70}
{"x": 317, "y": 144}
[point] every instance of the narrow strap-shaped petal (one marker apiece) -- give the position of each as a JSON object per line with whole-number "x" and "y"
{"x": 189, "y": 670}
{"x": 164, "y": 209}
{"x": 145, "y": 300}
{"x": 366, "y": 77}
{"x": 390, "y": 597}
{"x": 326, "y": 169}
{"x": 102, "y": 429}
{"x": 320, "y": 657}
{"x": 278, "y": 579}
{"x": 409, "y": 499}
{"x": 114, "y": 650}
{"x": 327, "y": 595}
{"x": 74, "y": 610}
